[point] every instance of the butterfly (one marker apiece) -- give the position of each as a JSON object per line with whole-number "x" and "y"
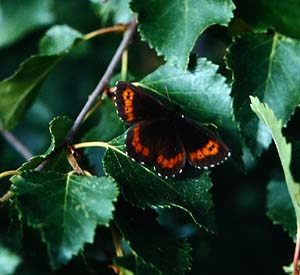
{"x": 162, "y": 137}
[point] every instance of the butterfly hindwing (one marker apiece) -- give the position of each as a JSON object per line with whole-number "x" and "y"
{"x": 154, "y": 142}
{"x": 135, "y": 105}
{"x": 140, "y": 142}
{"x": 170, "y": 156}
{"x": 203, "y": 148}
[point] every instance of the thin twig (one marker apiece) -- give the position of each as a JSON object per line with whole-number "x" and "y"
{"x": 72, "y": 160}
{"x": 16, "y": 144}
{"x": 103, "y": 82}
{"x": 8, "y": 195}
{"x": 117, "y": 28}
{"x": 117, "y": 241}
{"x": 296, "y": 254}
{"x": 118, "y": 247}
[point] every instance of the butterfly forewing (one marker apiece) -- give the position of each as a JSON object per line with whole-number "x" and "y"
{"x": 135, "y": 105}
{"x": 203, "y": 148}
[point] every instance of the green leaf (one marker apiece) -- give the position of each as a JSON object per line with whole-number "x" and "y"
{"x": 289, "y": 269}
{"x": 268, "y": 67}
{"x": 108, "y": 126}
{"x": 17, "y": 20}
{"x": 58, "y": 128}
{"x": 201, "y": 94}
{"x": 8, "y": 261}
{"x": 280, "y": 207}
{"x": 172, "y": 28}
{"x": 143, "y": 187}
{"x": 160, "y": 252}
{"x": 65, "y": 208}
{"x": 284, "y": 149}
{"x": 58, "y": 39}
{"x": 282, "y": 16}
{"x": 19, "y": 90}
{"x": 118, "y": 10}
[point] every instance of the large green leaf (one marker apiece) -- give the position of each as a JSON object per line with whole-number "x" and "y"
{"x": 284, "y": 149}
{"x": 280, "y": 207}
{"x": 18, "y": 19}
{"x": 266, "y": 66}
{"x": 143, "y": 187}
{"x": 172, "y": 27}
{"x": 18, "y": 91}
{"x": 157, "y": 249}
{"x": 8, "y": 261}
{"x": 282, "y": 16}
{"x": 65, "y": 208}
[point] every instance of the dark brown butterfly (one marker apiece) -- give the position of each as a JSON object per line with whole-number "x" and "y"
{"x": 164, "y": 138}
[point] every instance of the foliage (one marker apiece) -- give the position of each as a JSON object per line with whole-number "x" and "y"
{"x": 284, "y": 149}
{"x": 8, "y": 260}
{"x": 96, "y": 211}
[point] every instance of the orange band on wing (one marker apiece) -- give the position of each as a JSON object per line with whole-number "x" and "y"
{"x": 138, "y": 147}
{"x": 210, "y": 149}
{"x": 128, "y": 95}
{"x": 169, "y": 163}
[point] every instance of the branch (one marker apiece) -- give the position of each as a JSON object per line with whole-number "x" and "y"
{"x": 16, "y": 144}
{"x": 6, "y": 197}
{"x": 103, "y": 82}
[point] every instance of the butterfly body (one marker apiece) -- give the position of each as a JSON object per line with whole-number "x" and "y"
{"x": 164, "y": 138}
